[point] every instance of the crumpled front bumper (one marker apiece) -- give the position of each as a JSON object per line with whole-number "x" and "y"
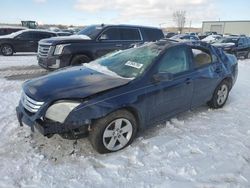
{"x": 48, "y": 128}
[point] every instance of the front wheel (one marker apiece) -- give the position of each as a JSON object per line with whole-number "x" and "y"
{"x": 220, "y": 95}
{"x": 113, "y": 132}
{"x": 80, "y": 59}
{"x": 7, "y": 50}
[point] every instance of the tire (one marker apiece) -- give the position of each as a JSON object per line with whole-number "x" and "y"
{"x": 7, "y": 50}
{"x": 78, "y": 60}
{"x": 113, "y": 132}
{"x": 220, "y": 95}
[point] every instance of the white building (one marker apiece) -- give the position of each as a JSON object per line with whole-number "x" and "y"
{"x": 227, "y": 27}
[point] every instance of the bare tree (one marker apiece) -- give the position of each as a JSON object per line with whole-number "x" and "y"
{"x": 179, "y": 18}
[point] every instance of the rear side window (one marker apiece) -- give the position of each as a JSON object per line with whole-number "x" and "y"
{"x": 152, "y": 34}
{"x": 174, "y": 61}
{"x": 130, "y": 34}
{"x": 45, "y": 35}
{"x": 39, "y": 36}
{"x": 201, "y": 57}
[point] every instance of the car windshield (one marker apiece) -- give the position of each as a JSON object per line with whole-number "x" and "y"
{"x": 129, "y": 63}
{"x": 91, "y": 31}
{"x": 228, "y": 40}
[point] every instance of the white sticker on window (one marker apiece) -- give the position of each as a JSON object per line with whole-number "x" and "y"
{"x": 134, "y": 64}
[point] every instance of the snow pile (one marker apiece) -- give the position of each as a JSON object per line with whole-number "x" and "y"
{"x": 200, "y": 148}
{"x": 23, "y": 59}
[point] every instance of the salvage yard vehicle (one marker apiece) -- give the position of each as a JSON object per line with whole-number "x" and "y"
{"x": 22, "y": 41}
{"x": 185, "y": 37}
{"x": 237, "y": 45}
{"x": 92, "y": 42}
{"x": 6, "y": 30}
{"x": 112, "y": 98}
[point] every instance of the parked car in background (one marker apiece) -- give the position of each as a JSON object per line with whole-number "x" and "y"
{"x": 92, "y": 42}
{"x": 62, "y": 33}
{"x": 211, "y": 38}
{"x": 239, "y": 46}
{"x": 192, "y": 33}
{"x": 207, "y": 33}
{"x": 6, "y": 30}
{"x": 112, "y": 98}
{"x": 184, "y": 37}
{"x": 23, "y": 41}
{"x": 170, "y": 34}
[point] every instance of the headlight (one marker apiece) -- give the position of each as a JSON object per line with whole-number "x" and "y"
{"x": 60, "y": 110}
{"x": 59, "y": 49}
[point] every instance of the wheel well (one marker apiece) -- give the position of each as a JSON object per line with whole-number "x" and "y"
{"x": 230, "y": 81}
{"x": 77, "y": 55}
{"x": 134, "y": 113}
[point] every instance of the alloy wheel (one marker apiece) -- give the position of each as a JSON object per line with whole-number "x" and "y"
{"x": 222, "y": 94}
{"x": 117, "y": 134}
{"x": 7, "y": 50}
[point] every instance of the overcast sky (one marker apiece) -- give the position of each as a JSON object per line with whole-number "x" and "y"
{"x": 143, "y": 12}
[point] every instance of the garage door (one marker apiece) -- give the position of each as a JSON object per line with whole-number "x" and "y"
{"x": 216, "y": 28}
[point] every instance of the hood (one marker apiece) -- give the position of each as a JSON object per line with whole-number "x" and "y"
{"x": 6, "y": 36}
{"x": 223, "y": 45}
{"x": 71, "y": 83}
{"x": 66, "y": 39}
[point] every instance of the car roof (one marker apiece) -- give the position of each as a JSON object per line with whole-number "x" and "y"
{"x": 172, "y": 42}
{"x": 11, "y": 27}
{"x": 123, "y": 25}
{"x": 38, "y": 30}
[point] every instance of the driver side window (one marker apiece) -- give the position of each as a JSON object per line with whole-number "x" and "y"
{"x": 26, "y": 36}
{"x": 111, "y": 34}
{"x": 174, "y": 61}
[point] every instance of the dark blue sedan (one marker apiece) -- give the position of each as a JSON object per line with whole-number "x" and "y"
{"x": 113, "y": 97}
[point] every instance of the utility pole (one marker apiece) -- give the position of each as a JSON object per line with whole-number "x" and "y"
{"x": 190, "y": 24}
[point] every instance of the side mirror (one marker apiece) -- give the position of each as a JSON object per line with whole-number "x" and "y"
{"x": 163, "y": 76}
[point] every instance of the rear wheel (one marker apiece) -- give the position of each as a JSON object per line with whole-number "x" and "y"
{"x": 113, "y": 132}
{"x": 220, "y": 95}
{"x": 80, "y": 59}
{"x": 7, "y": 50}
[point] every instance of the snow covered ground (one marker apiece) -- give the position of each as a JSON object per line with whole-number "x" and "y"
{"x": 203, "y": 148}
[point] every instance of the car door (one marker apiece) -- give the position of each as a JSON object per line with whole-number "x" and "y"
{"x": 206, "y": 75}
{"x": 241, "y": 47}
{"x": 24, "y": 42}
{"x": 108, "y": 41}
{"x": 169, "y": 97}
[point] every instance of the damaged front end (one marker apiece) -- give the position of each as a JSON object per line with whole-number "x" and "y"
{"x": 51, "y": 119}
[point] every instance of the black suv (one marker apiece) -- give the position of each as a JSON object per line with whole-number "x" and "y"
{"x": 92, "y": 42}
{"x": 22, "y": 41}
{"x": 237, "y": 45}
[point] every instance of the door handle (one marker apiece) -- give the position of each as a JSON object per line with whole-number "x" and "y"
{"x": 118, "y": 45}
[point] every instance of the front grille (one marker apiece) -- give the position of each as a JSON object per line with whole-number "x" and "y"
{"x": 30, "y": 104}
{"x": 43, "y": 50}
